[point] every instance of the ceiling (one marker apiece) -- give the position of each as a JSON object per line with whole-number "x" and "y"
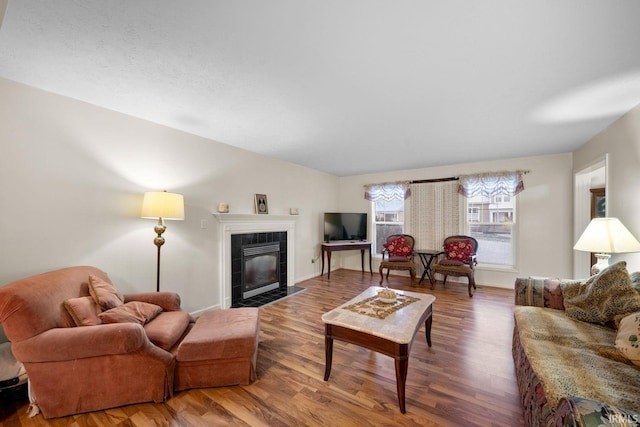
{"x": 346, "y": 87}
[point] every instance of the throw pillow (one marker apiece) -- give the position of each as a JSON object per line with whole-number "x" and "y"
{"x": 602, "y": 297}
{"x": 399, "y": 247}
{"x": 553, "y": 294}
{"x": 628, "y": 337}
{"x": 133, "y": 311}
{"x": 83, "y": 310}
{"x": 104, "y": 293}
{"x": 635, "y": 280}
{"x": 459, "y": 250}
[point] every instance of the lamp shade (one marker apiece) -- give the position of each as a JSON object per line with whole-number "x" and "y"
{"x": 160, "y": 204}
{"x": 607, "y": 235}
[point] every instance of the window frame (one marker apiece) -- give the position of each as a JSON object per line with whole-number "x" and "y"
{"x": 375, "y": 251}
{"x": 484, "y": 265}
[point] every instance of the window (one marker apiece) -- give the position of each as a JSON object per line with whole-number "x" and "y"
{"x": 388, "y": 219}
{"x": 473, "y": 214}
{"x": 387, "y": 204}
{"x": 491, "y": 220}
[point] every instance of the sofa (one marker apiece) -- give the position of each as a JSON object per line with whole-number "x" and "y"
{"x": 85, "y": 346}
{"x": 575, "y": 349}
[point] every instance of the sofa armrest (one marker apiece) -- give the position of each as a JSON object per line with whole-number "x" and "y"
{"x": 61, "y": 344}
{"x": 539, "y": 292}
{"x": 169, "y": 301}
{"x": 579, "y": 412}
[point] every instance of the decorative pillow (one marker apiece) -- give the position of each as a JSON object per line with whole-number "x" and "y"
{"x": 104, "y": 293}
{"x": 553, "y": 294}
{"x": 83, "y": 310}
{"x": 133, "y": 311}
{"x": 460, "y": 250}
{"x": 635, "y": 280}
{"x": 628, "y": 337}
{"x": 399, "y": 247}
{"x": 602, "y": 297}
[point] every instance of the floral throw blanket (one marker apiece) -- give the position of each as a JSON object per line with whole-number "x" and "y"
{"x": 573, "y": 358}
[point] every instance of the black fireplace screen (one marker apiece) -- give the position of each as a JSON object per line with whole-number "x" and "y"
{"x": 261, "y": 268}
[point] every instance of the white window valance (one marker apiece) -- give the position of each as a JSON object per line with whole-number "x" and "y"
{"x": 387, "y": 191}
{"x": 491, "y": 184}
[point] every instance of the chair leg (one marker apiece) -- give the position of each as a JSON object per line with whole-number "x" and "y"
{"x": 381, "y": 275}
{"x": 444, "y": 282}
{"x": 472, "y": 284}
{"x": 431, "y": 280}
{"x": 412, "y": 272}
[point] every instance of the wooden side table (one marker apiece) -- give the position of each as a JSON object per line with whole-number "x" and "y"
{"x": 426, "y": 258}
{"x": 344, "y": 245}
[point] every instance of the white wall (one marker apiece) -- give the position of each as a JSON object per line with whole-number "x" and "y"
{"x": 621, "y": 140}
{"x": 72, "y": 177}
{"x": 543, "y": 212}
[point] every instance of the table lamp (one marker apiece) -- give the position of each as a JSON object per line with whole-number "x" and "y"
{"x": 605, "y": 236}
{"x": 161, "y": 205}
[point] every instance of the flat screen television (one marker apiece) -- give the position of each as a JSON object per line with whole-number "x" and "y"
{"x": 345, "y": 226}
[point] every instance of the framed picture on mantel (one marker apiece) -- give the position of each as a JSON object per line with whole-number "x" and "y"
{"x": 261, "y": 204}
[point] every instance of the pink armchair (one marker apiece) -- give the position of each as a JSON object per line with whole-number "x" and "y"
{"x": 74, "y": 369}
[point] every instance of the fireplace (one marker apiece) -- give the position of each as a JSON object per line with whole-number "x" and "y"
{"x": 258, "y": 264}
{"x": 236, "y": 230}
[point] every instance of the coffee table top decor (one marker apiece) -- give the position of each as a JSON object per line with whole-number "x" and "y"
{"x": 375, "y": 307}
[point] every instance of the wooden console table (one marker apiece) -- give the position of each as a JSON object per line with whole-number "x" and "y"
{"x": 342, "y": 245}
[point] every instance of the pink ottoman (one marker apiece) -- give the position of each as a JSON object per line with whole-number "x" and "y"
{"x": 221, "y": 349}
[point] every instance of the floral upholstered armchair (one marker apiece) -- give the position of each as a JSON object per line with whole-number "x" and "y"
{"x": 458, "y": 258}
{"x": 397, "y": 254}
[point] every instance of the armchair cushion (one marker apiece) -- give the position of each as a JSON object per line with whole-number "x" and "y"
{"x": 460, "y": 250}
{"x": 399, "y": 247}
{"x": 133, "y": 311}
{"x": 83, "y": 310}
{"x": 104, "y": 293}
{"x": 167, "y": 328}
{"x": 451, "y": 262}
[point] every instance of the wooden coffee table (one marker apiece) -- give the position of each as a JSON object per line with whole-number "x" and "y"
{"x": 386, "y": 328}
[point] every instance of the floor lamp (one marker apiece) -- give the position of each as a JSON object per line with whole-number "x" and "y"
{"x": 604, "y": 236}
{"x": 161, "y": 205}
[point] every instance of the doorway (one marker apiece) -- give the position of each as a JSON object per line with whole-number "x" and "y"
{"x": 586, "y": 180}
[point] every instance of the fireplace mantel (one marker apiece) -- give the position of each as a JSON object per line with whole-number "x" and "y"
{"x": 253, "y": 218}
{"x": 229, "y": 224}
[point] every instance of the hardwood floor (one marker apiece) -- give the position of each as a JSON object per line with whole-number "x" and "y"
{"x": 466, "y": 379}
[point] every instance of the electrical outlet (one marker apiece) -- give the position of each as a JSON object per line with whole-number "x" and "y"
{"x": 203, "y": 224}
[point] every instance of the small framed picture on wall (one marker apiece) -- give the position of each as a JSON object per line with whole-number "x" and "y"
{"x": 260, "y": 201}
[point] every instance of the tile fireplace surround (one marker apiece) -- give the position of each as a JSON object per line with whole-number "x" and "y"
{"x": 231, "y": 224}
